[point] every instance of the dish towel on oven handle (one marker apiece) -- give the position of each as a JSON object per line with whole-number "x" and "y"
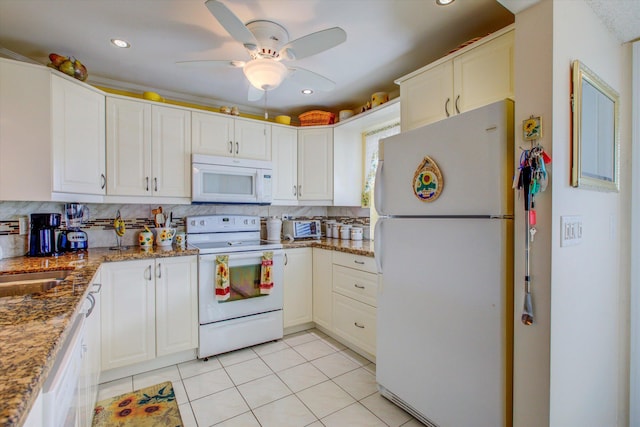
{"x": 222, "y": 288}
{"x": 266, "y": 282}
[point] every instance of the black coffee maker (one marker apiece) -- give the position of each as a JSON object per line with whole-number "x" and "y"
{"x": 42, "y": 239}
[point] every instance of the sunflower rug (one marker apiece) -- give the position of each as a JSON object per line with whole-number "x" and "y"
{"x": 153, "y": 406}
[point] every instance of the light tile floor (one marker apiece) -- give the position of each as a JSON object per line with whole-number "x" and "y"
{"x": 305, "y": 379}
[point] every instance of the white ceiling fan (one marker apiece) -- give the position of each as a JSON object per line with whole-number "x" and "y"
{"x": 268, "y": 46}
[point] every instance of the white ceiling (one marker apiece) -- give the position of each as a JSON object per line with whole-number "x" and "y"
{"x": 385, "y": 40}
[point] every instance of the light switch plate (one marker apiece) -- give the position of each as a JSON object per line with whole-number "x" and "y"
{"x": 570, "y": 230}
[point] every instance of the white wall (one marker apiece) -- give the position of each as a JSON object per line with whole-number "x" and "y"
{"x": 571, "y": 366}
{"x": 533, "y": 69}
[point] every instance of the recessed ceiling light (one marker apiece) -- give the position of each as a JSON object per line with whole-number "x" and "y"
{"x": 444, "y": 2}
{"x": 120, "y": 43}
{"x": 307, "y": 91}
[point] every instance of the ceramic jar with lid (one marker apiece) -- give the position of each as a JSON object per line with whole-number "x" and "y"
{"x": 345, "y": 232}
{"x": 356, "y": 233}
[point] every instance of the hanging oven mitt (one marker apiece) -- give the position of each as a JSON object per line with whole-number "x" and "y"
{"x": 266, "y": 282}
{"x": 222, "y": 288}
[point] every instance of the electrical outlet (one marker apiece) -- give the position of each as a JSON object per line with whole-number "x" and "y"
{"x": 23, "y": 225}
{"x": 286, "y": 216}
{"x": 570, "y": 230}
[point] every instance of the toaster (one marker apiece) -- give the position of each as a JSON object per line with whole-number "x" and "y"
{"x": 301, "y": 228}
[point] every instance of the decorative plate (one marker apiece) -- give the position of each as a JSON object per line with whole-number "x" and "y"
{"x": 427, "y": 181}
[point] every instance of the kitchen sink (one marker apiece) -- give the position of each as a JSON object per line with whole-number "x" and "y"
{"x": 29, "y": 283}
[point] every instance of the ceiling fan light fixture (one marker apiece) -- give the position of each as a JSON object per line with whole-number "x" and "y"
{"x": 307, "y": 91}
{"x": 265, "y": 74}
{"x": 444, "y": 2}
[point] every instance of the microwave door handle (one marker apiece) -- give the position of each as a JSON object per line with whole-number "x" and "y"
{"x": 259, "y": 185}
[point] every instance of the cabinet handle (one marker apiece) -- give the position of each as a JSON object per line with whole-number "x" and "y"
{"x": 146, "y": 178}
{"x": 230, "y": 147}
{"x": 92, "y": 300}
{"x": 358, "y": 286}
{"x": 446, "y": 107}
{"x": 155, "y": 184}
{"x": 295, "y": 193}
{"x": 457, "y": 108}
{"x": 104, "y": 181}
{"x": 147, "y": 271}
{"x": 286, "y": 259}
{"x": 159, "y": 271}
{"x": 299, "y": 190}
{"x": 97, "y": 291}
{"x": 358, "y": 262}
{"x": 237, "y": 147}
{"x": 358, "y": 326}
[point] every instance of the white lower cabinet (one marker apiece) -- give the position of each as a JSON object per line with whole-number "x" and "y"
{"x": 322, "y": 278}
{"x": 298, "y": 287}
{"x": 90, "y": 356}
{"x": 149, "y": 309}
{"x": 355, "y": 290}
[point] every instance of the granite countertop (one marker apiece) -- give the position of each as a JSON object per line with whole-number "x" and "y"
{"x": 357, "y": 247}
{"x": 34, "y": 327}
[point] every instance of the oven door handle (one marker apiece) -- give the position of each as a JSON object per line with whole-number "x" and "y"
{"x": 239, "y": 256}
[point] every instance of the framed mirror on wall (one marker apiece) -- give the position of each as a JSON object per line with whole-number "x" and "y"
{"x": 595, "y": 159}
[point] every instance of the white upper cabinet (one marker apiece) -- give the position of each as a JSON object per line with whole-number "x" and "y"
{"x": 477, "y": 75}
{"x": 78, "y": 130}
{"x": 315, "y": 165}
{"x": 221, "y": 135}
{"x": 55, "y": 126}
{"x": 148, "y": 149}
{"x": 284, "y": 153}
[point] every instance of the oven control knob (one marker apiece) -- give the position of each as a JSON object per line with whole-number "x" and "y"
{"x": 246, "y": 221}
{"x": 202, "y": 222}
{"x": 193, "y": 222}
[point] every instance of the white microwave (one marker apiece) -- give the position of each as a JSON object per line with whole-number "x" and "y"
{"x": 230, "y": 180}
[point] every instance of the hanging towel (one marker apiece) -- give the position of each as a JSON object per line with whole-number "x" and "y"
{"x": 222, "y": 288}
{"x": 266, "y": 282}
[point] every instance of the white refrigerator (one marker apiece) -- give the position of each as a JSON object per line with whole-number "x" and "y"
{"x": 444, "y": 251}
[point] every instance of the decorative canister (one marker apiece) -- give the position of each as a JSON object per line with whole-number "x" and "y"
{"x": 328, "y": 228}
{"x": 335, "y": 230}
{"x": 356, "y": 233}
{"x": 345, "y": 232}
{"x": 274, "y": 229}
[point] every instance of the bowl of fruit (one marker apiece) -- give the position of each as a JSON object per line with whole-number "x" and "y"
{"x": 68, "y": 65}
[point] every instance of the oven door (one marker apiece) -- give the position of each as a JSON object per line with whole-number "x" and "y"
{"x": 244, "y": 277}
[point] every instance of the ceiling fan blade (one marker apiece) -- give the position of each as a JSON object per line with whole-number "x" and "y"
{"x": 232, "y": 24}
{"x": 310, "y": 79}
{"x": 313, "y": 43}
{"x": 211, "y": 64}
{"x": 255, "y": 94}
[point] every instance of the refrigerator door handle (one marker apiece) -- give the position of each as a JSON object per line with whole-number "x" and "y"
{"x": 377, "y": 189}
{"x": 377, "y": 244}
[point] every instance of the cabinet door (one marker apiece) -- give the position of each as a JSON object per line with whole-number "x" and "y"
{"x": 485, "y": 74}
{"x": 171, "y": 151}
{"x": 298, "y": 287}
{"x": 322, "y": 284}
{"x": 128, "y": 147}
{"x": 78, "y": 129}
{"x": 284, "y": 153}
{"x": 212, "y": 134}
{"x": 252, "y": 140}
{"x": 127, "y": 313}
{"x": 176, "y": 304}
{"x": 315, "y": 164}
{"x": 427, "y": 97}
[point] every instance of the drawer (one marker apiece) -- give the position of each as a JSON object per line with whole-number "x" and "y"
{"x": 357, "y": 284}
{"x": 355, "y": 322}
{"x": 360, "y": 262}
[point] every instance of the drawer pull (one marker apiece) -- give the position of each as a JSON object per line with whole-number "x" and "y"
{"x": 358, "y": 286}
{"x": 359, "y": 262}
{"x": 358, "y": 326}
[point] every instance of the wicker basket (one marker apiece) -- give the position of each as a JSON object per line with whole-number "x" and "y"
{"x": 316, "y": 117}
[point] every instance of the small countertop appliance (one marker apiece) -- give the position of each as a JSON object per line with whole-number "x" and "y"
{"x": 73, "y": 238}
{"x": 42, "y": 237}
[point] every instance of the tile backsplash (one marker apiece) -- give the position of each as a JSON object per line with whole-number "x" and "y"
{"x": 100, "y": 231}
